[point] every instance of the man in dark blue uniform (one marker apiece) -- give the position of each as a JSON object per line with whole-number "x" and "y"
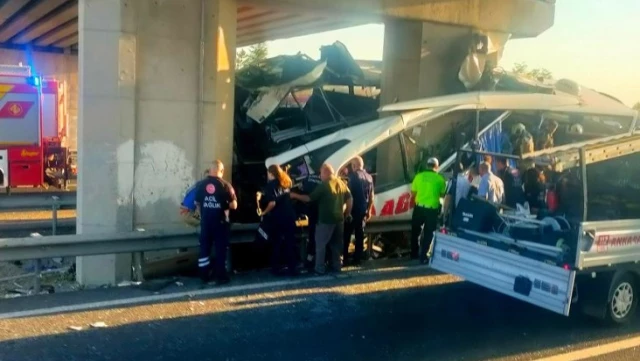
{"x": 308, "y": 186}
{"x": 214, "y": 198}
{"x": 360, "y": 185}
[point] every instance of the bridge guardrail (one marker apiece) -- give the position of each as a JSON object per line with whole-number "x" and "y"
{"x": 37, "y": 201}
{"x": 136, "y": 242}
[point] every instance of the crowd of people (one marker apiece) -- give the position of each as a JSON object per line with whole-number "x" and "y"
{"x": 509, "y": 186}
{"x": 339, "y": 207}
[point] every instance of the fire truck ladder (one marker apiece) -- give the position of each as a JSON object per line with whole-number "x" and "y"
{"x": 15, "y": 70}
{"x": 597, "y": 150}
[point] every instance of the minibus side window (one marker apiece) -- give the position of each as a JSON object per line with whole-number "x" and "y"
{"x": 386, "y": 157}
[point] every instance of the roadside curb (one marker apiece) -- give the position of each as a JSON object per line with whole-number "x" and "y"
{"x": 349, "y": 274}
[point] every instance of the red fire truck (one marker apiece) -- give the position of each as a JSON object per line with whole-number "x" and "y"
{"x": 32, "y": 127}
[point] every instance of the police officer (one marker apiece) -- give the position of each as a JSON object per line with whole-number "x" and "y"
{"x": 280, "y": 217}
{"x": 360, "y": 185}
{"x": 214, "y": 198}
{"x": 308, "y": 186}
{"x": 427, "y": 187}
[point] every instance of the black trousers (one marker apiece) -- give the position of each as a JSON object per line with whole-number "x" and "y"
{"x": 427, "y": 218}
{"x": 355, "y": 226}
{"x": 283, "y": 241}
{"x": 217, "y": 235}
{"x": 311, "y": 245}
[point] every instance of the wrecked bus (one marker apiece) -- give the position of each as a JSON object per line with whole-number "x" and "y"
{"x": 417, "y": 130}
{"x": 585, "y": 250}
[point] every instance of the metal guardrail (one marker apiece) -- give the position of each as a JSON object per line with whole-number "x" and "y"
{"x": 137, "y": 242}
{"x": 36, "y": 225}
{"x": 18, "y": 249}
{"x": 39, "y": 224}
{"x": 33, "y": 201}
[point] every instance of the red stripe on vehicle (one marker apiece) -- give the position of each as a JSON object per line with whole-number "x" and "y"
{"x": 15, "y": 109}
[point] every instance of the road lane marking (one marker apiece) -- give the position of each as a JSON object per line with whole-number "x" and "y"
{"x": 196, "y": 293}
{"x": 595, "y": 351}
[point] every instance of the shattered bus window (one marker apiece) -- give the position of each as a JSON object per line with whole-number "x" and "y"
{"x": 438, "y": 138}
{"x": 388, "y": 156}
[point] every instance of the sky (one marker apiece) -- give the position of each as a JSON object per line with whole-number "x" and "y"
{"x": 594, "y": 42}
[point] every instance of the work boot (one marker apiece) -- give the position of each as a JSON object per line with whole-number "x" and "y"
{"x": 223, "y": 280}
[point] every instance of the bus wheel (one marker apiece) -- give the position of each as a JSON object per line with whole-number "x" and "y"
{"x": 623, "y": 299}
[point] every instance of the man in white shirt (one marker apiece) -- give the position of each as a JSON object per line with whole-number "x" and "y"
{"x": 491, "y": 187}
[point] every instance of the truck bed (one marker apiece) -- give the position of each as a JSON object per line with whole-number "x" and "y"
{"x": 548, "y": 286}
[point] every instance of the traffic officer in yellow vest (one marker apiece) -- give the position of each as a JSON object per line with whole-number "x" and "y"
{"x": 427, "y": 188}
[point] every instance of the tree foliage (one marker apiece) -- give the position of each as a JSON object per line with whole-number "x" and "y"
{"x": 540, "y": 74}
{"x": 636, "y": 106}
{"x": 253, "y": 56}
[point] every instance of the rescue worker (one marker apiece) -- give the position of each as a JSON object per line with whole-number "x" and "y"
{"x": 491, "y": 187}
{"x": 512, "y": 182}
{"x": 188, "y": 209}
{"x": 360, "y": 185}
{"x": 427, "y": 188}
{"x": 332, "y": 197}
{"x": 308, "y": 186}
{"x": 280, "y": 218}
{"x": 214, "y": 198}
{"x": 545, "y": 137}
{"x": 522, "y": 140}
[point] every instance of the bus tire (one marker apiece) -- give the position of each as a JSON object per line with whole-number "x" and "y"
{"x": 622, "y": 300}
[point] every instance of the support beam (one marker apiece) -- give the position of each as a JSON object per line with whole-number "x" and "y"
{"x": 65, "y": 13}
{"x": 27, "y": 16}
{"x": 67, "y": 29}
{"x": 156, "y": 107}
{"x": 294, "y": 28}
{"x": 522, "y": 18}
{"x": 217, "y": 100}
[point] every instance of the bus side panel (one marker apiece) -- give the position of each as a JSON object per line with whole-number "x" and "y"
{"x": 535, "y": 282}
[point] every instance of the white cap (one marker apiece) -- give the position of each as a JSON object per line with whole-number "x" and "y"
{"x": 433, "y": 161}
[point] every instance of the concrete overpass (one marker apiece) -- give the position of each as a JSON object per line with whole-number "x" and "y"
{"x": 52, "y": 25}
{"x": 156, "y": 82}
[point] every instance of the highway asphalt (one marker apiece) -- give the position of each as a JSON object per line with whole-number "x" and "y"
{"x": 391, "y": 313}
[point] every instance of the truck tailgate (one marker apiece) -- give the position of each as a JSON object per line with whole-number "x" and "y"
{"x": 532, "y": 281}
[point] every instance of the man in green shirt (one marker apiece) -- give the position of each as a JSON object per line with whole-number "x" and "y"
{"x": 334, "y": 206}
{"x": 427, "y": 188}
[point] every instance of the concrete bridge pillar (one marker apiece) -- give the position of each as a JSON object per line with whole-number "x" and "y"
{"x": 155, "y": 107}
{"x": 421, "y": 60}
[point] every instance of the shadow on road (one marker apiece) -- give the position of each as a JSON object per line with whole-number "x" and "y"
{"x": 393, "y": 315}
